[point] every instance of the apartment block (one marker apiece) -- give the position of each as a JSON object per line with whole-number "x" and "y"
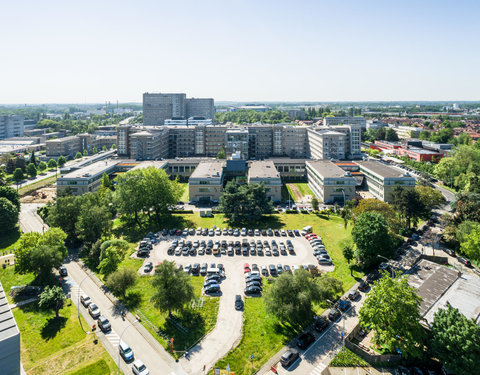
{"x": 330, "y": 183}
{"x": 335, "y": 121}
{"x": 381, "y": 179}
{"x": 236, "y": 140}
{"x": 294, "y": 141}
{"x": 200, "y": 107}
{"x": 404, "y": 132}
{"x": 181, "y": 141}
{"x": 12, "y": 126}
{"x": 67, "y": 146}
{"x": 147, "y": 145}
{"x": 264, "y": 171}
{"x": 215, "y": 139}
{"x": 326, "y": 144}
{"x": 206, "y": 182}
{"x": 260, "y": 139}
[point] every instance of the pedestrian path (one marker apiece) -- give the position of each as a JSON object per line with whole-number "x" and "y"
{"x": 319, "y": 369}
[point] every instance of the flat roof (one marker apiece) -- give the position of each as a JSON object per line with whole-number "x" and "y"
{"x": 8, "y": 325}
{"x": 64, "y": 139}
{"x": 182, "y": 161}
{"x": 381, "y": 169}
{"x": 160, "y": 164}
{"x": 288, "y": 160}
{"x": 431, "y": 280}
{"x": 91, "y": 169}
{"x": 326, "y": 168}
{"x": 262, "y": 169}
{"x": 209, "y": 169}
{"x": 422, "y": 151}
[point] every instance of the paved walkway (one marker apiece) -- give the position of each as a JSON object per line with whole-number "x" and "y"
{"x": 24, "y": 302}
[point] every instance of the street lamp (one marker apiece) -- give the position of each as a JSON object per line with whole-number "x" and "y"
{"x": 127, "y": 327}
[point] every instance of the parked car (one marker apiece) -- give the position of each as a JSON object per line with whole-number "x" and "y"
{"x": 254, "y": 283}
{"x": 464, "y": 261}
{"x": 125, "y": 351}
{"x": 334, "y": 314}
{"x": 363, "y": 286}
{"x": 238, "y": 302}
{"x": 320, "y": 323}
{"x": 196, "y": 269}
{"x": 252, "y": 290}
{"x": 353, "y": 295}
{"x": 203, "y": 269}
{"x": 272, "y": 269}
{"x": 305, "y": 340}
{"x": 63, "y": 272}
{"x": 139, "y": 368}
{"x": 148, "y": 267}
{"x": 93, "y": 310}
{"x": 288, "y": 358}
{"x": 85, "y": 300}
{"x": 104, "y": 324}
{"x": 214, "y": 288}
{"x": 344, "y": 304}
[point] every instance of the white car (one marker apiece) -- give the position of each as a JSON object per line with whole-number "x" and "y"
{"x": 139, "y": 368}
{"x": 86, "y": 301}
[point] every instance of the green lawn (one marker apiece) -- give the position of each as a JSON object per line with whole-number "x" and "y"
{"x": 304, "y": 188}
{"x": 8, "y": 240}
{"x": 184, "y": 197}
{"x": 37, "y": 185}
{"x": 347, "y": 358}
{"x": 9, "y": 278}
{"x": 54, "y": 346}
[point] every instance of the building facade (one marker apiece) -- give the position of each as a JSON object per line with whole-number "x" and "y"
{"x": 9, "y": 338}
{"x": 326, "y": 144}
{"x": 334, "y": 121}
{"x": 200, "y": 107}
{"x": 264, "y": 171}
{"x": 12, "y": 126}
{"x": 206, "y": 182}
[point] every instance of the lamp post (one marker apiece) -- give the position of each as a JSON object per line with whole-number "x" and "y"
{"x": 127, "y": 327}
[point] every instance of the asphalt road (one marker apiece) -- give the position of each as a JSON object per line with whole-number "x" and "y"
{"x": 29, "y": 220}
{"x": 158, "y": 361}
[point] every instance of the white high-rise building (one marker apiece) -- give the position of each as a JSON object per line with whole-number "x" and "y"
{"x": 11, "y": 126}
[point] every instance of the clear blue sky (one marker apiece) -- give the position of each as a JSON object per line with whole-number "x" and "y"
{"x": 92, "y": 51}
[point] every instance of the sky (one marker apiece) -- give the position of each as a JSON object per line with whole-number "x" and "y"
{"x": 86, "y": 51}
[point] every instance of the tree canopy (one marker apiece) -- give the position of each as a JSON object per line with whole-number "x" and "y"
{"x": 371, "y": 237}
{"x": 112, "y": 253}
{"x": 172, "y": 288}
{"x": 120, "y": 281}
{"x": 407, "y": 203}
{"x": 391, "y": 310}
{"x": 244, "y": 202}
{"x": 8, "y": 215}
{"x": 52, "y": 297}
{"x": 11, "y": 194}
{"x": 456, "y": 341}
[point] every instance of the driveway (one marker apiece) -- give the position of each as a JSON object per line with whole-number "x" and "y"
{"x": 29, "y": 220}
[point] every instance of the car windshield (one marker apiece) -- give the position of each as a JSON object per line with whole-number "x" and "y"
{"x": 142, "y": 368}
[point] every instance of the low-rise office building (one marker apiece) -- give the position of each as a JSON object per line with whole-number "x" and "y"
{"x": 206, "y": 182}
{"x": 87, "y": 179}
{"x": 290, "y": 169}
{"x": 9, "y": 338}
{"x": 265, "y": 172}
{"x": 330, "y": 183}
{"x": 381, "y": 179}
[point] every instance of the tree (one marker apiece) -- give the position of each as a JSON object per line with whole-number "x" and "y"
{"x": 18, "y": 175}
{"x": 78, "y": 155}
{"x": 456, "y": 341}
{"x": 290, "y": 298}
{"x": 221, "y": 154}
{"x": 391, "y": 135}
{"x": 8, "y": 215}
{"x": 43, "y": 259}
{"x": 471, "y": 246}
{"x": 120, "y": 281}
{"x": 172, "y": 288}
{"x": 33, "y": 158}
{"x": 3, "y": 177}
{"x": 348, "y": 253}
{"x": 52, "y": 298}
{"x": 392, "y": 311}
{"x": 106, "y": 182}
{"x": 52, "y": 163}
{"x": 94, "y": 150}
{"x": 378, "y": 206}
{"x": 104, "y": 148}
{"x": 11, "y": 194}
{"x": 247, "y": 202}
{"x": 21, "y": 163}
{"x": 467, "y": 206}
{"x": 114, "y": 147}
{"x": 430, "y": 197}
{"x": 314, "y": 203}
{"x": 64, "y": 214}
{"x": 407, "y": 203}
{"x": 93, "y": 222}
{"x": 42, "y": 166}
{"x": 61, "y": 161}
{"x": 10, "y": 166}
{"x": 370, "y": 235}
{"x": 32, "y": 170}
{"x": 464, "y": 229}
{"x": 112, "y": 253}
{"x": 85, "y": 152}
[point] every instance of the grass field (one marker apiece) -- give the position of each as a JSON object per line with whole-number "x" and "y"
{"x": 304, "y": 188}
{"x": 8, "y": 240}
{"x": 9, "y": 278}
{"x": 57, "y": 345}
{"x": 299, "y": 190}
{"x": 184, "y": 197}
{"x": 37, "y": 185}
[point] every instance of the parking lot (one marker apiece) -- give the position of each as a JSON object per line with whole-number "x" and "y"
{"x": 293, "y": 251}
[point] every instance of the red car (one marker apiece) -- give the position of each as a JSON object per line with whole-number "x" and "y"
{"x": 246, "y": 268}
{"x": 310, "y": 235}
{"x": 178, "y": 232}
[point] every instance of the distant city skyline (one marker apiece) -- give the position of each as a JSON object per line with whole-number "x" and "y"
{"x": 241, "y": 51}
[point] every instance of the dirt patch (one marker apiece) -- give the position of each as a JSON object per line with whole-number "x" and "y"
{"x": 295, "y": 191}
{"x": 42, "y": 195}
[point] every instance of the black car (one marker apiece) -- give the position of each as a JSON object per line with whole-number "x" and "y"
{"x": 196, "y": 269}
{"x": 252, "y": 290}
{"x": 272, "y": 269}
{"x": 213, "y": 288}
{"x": 334, "y": 314}
{"x": 320, "y": 323}
{"x": 104, "y": 324}
{"x": 363, "y": 286}
{"x": 238, "y": 302}
{"x": 288, "y": 358}
{"x": 464, "y": 261}
{"x": 256, "y": 284}
{"x": 253, "y": 278}
{"x": 305, "y": 340}
{"x": 63, "y": 271}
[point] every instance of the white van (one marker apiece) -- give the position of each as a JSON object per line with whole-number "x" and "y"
{"x": 308, "y": 229}
{"x": 213, "y": 271}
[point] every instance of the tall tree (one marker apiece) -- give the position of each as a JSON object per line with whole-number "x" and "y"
{"x": 291, "y": 297}
{"x": 407, "y": 203}
{"x": 61, "y": 161}
{"x": 18, "y": 175}
{"x": 471, "y": 245}
{"x": 120, "y": 281}
{"x": 172, "y": 288}
{"x": 431, "y": 198}
{"x": 33, "y": 159}
{"x": 85, "y": 152}
{"x": 42, "y": 166}
{"x": 11, "y": 194}
{"x": 64, "y": 214}
{"x": 78, "y": 155}
{"x": 52, "y": 298}
{"x": 32, "y": 170}
{"x": 314, "y": 203}
{"x": 112, "y": 253}
{"x": 8, "y": 215}
{"x": 221, "y": 154}
{"x": 43, "y": 259}
{"x": 456, "y": 341}
{"x": 10, "y": 167}
{"x": 52, "y": 163}
{"x": 21, "y": 163}
{"x": 370, "y": 235}
{"x": 392, "y": 311}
